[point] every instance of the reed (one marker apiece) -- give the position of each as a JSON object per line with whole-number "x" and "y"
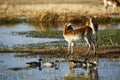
{"x": 52, "y": 12}
{"x": 44, "y": 1}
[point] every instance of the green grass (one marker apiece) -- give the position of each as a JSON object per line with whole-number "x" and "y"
{"x": 114, "y": 20}
{"x": 11, "y": 20}
{"x": 109, "y": 37}
{"x": 43, "y": 34}
{"x": 105, "y": 37}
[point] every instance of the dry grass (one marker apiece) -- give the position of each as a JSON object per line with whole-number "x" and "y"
{"x": 54, "y": 12}
{"x": 44, "y": 1}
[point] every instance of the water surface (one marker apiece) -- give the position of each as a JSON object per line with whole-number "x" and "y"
{"x": 15, "y": 68}
{"x": 7, "y": 38}
{"x": 107, "y": 69}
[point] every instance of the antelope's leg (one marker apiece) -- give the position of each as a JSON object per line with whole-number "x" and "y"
{"x": 96, "y": 40}
{"x": 94, "y": 47}
{"x": 106, "y": 7}
{"x": 114, "y": 6}
{"x": 69, "y": 47}
{"x": 89, "y": 43}
{"x": 72, "y": 45}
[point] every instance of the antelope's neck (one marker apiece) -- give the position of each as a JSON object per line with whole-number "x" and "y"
{"x": 92, "y": 26}
{"x": 65, "y": 29}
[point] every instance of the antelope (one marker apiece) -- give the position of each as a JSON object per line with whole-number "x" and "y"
{"x": 113, "y": 3}
{"x": 81, "y": 73}
{"x": 70, "y": 35}
{"x": 93, "y": 24}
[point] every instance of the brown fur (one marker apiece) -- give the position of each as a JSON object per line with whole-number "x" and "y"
{"x": 94, "y": 25}
{"x": 115, "y": 3}
{"x": 85, "y": 32}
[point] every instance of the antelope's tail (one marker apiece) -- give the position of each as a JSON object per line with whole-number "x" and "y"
{"x": 118, "y": 3}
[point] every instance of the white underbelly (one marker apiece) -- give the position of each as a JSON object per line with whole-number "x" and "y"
{"x": 76, "y": 38}
{"x": 110, "y": 3}
{"x": 72, "y": 38}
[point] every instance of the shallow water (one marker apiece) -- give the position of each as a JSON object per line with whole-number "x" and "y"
{"x": 7, "y": 38}
{"x": 15, "y": 68}
{"x": 109, "y": 26}
{"x": 107, "y": 69}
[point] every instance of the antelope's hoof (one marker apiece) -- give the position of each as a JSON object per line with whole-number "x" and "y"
{"x": 71, "y": 53}
{"x": 68, "y": 54}
{"x": 96, "y": 47}
{"x": 87, "y": 54}
{"x": 95, "y": 53}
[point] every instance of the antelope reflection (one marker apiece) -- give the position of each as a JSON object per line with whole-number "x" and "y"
{"x": 81, "y": 73}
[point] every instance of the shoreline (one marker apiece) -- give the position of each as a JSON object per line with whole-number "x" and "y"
{"x": 102, "y": 52}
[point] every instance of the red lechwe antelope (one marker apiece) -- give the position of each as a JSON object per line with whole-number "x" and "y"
{"x": 93, "y": 24}
{"x": 85, "y": 32}
{"x": 113, "y": 3}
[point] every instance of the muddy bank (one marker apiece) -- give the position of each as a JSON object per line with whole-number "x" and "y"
{"x": 79, "y": 51}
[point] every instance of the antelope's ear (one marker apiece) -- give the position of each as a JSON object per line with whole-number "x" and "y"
{"x": 95, "y": 16}
{"x": 66, "y": 24}
{"x": 89, "y": 18}
{"x": 69, "y": 24}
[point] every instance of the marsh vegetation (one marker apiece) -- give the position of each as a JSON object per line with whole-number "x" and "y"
{"x": 54, "y": 11}
{"x": 32, "y": 29}
{"x": 50, "y": 41}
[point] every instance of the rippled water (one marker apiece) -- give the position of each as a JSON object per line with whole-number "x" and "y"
{"x": 15, "y": 68}
{"x": 107, "y": 69}
{"x": 8, "y": 39}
